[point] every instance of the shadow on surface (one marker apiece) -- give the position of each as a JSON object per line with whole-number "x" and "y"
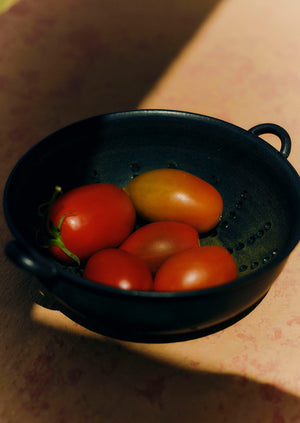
{"x": 56, "y": 375}
{"x": 84, "y": 58}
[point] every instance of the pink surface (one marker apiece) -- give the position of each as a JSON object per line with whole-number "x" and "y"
{"x": 63, "y": 61}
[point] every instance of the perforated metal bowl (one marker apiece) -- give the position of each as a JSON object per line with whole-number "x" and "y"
{"x": 260, "y": 224}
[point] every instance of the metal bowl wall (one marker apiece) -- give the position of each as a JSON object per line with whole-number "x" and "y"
{"x": 260, "y": 225}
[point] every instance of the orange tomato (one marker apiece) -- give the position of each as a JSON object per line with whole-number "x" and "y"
{"x": 176, "y": 195}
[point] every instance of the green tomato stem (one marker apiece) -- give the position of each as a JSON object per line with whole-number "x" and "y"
{"x": 54, "y": 232}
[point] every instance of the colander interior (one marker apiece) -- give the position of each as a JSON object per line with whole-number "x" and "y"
{"x": 259, "y": 213}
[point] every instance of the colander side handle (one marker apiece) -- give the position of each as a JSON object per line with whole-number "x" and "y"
{"x": 281, "y": 133}
{"x": 18, "y": 254}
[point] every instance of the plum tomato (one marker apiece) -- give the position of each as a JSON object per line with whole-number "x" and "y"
{"x": 155, "y": 242}
{"x": 87, "y": 219}
{"x": 120, "y": 269}
{"x": 196, "y": 268}
{"x": 176, "y": 195}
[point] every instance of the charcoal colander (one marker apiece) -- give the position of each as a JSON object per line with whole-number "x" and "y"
{"x": 260, "y": 225}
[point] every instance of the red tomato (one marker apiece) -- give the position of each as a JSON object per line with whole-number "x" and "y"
{"x": 120, "y": 269}
{"x": 176, "y": 195}
{"x": 157, "y": 241}
{"x": 196, "y": 268}
{"x": 89, "y": 218}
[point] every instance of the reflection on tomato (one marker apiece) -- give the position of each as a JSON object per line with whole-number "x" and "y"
{"x": 119, "y": 269}
{"x": 157, "y": 241}
{"x": 196, "y": 268}
{"x": 176, "y": 195}
{"x": 89, "y": 218}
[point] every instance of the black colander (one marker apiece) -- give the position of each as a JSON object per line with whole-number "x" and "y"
{"x": 260, "y": 225}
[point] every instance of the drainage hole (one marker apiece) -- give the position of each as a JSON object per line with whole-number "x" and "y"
{"x": 230, "y": 250}
{"x": 214, "y": 179}
{"x": 267, "y": 226}
{"x": 225, "y": 224}
{"x": 135, "y": 167}
{"x": 94, "y": 173}
{"x": 239, "y": 205}
{"x": 243, "y": 268}
{"x": 244, "y": 195}
{"x": 260, "y": 234}
{"x": 240, "y": 246}
{"x": 254, "y": 265}
{"x": 251, "y": 240}
{"x": 172, "y": 165}
{"x": 275, "y": 252}
{"x": 232, "y": 215}
{"x": 266, "y": 259}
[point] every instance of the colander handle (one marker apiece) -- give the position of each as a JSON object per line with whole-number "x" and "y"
{"x": 18, "y": 254}
{"x": 272, "y": 128}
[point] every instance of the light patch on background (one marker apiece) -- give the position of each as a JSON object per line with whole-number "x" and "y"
{"x": 57, "y": 320}
{"x": 6, "y": 4}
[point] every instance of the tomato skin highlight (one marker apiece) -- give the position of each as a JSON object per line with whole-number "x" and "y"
{"x": 196, "y": 268}
{"x": 120, "y": 269}
{"x": 93, "y": 217}
{"x": 156, "y": 242}
{"x": 176, "y": 195}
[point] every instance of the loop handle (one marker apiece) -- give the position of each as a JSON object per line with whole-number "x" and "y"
{"x": 22, "y": 258}
{"x": 281, "y": 133}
